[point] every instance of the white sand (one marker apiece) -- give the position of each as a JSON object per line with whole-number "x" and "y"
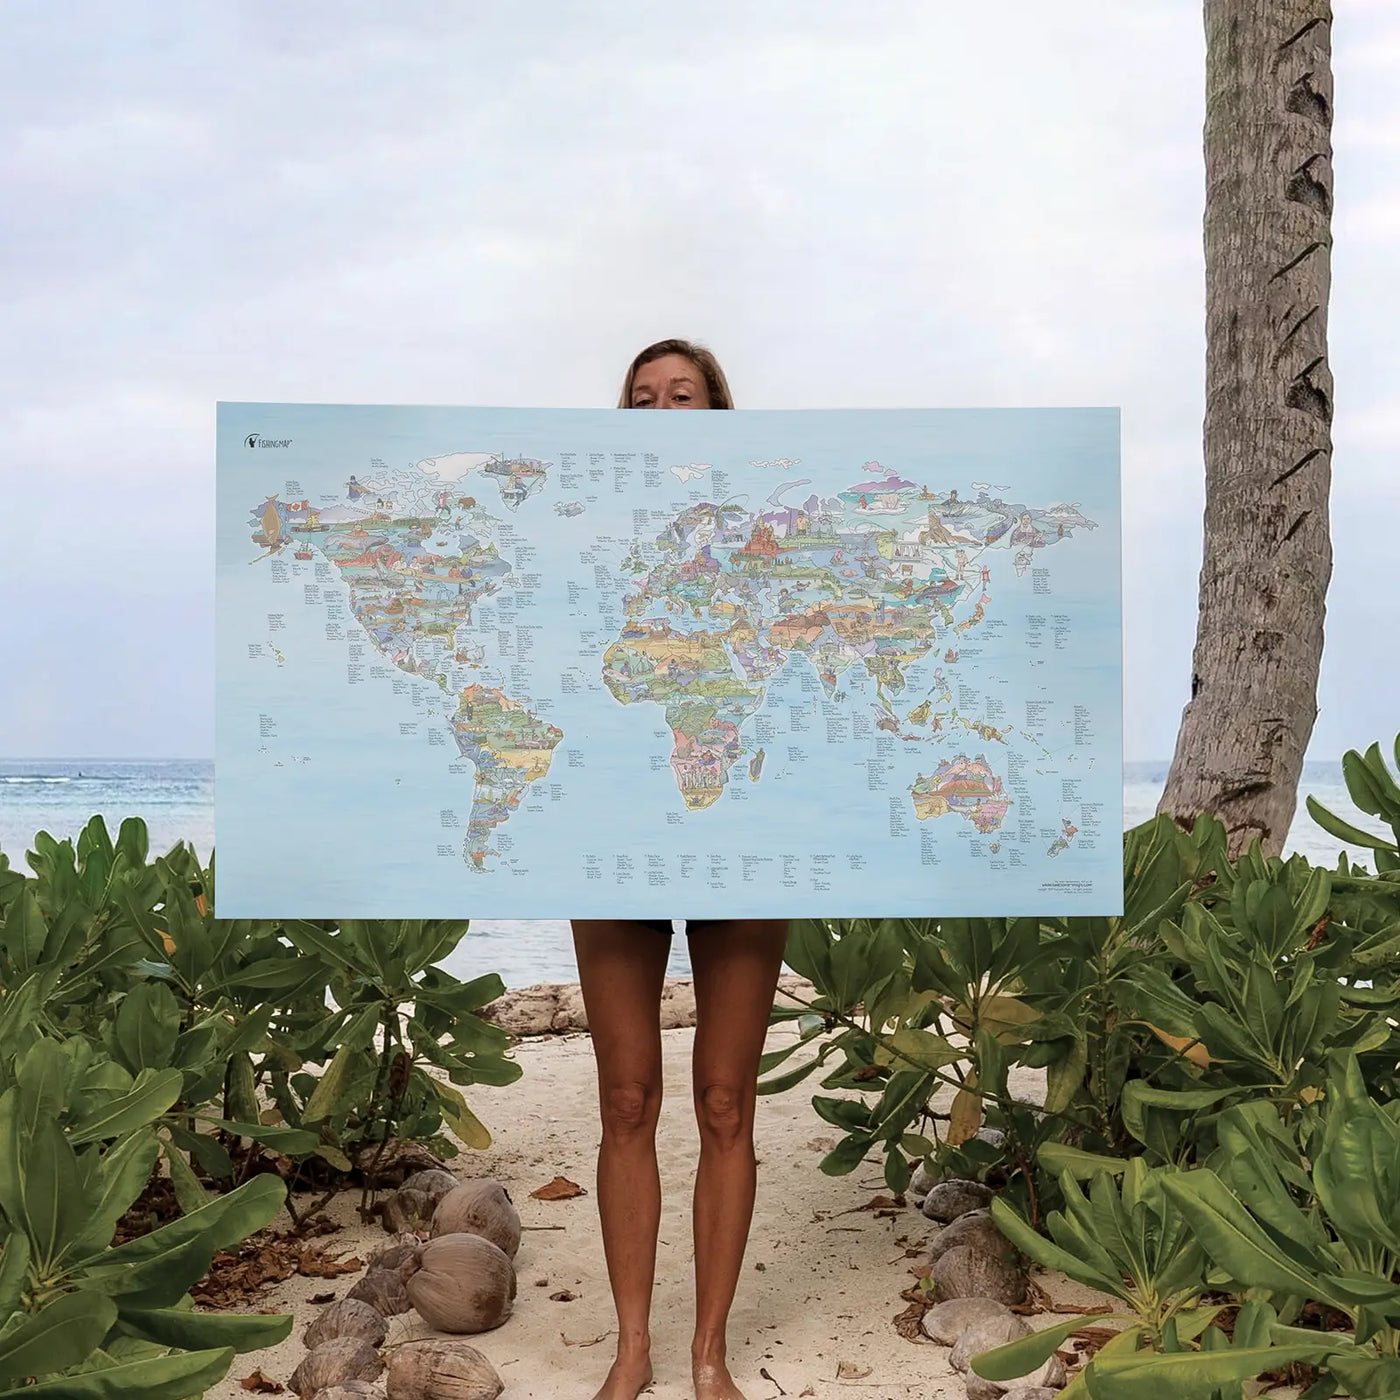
{"x": 820, "y": 1284}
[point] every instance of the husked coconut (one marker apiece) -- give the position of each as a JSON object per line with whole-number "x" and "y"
{"x": 435, "y": 1183}
{"x": 383, "y": 1290}
{"x": 334, "y": 1362}
{"x": 407, "y": 1210}
{"x": 464, "y": 1283}
{"x": 441, "y": 1370}
{"x": 479, "y": 1207}
{"x": 400, "y": 1259}
{"x": 350, "y": 1317}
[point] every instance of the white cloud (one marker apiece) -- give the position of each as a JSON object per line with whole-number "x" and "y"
{"x": 885, "y": 204}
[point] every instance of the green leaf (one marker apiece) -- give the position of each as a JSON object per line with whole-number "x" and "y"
{"x": 14, "y": 1272}
{"x": 122, "y": 1172}
{"x": 176, "y": 1377}
{"x": 152, "y": 1094}
{"x": 1191, "y": 1375}
{"x": 1333, "y": 825}
{"x": 295, "y": 1142}
{"x": 1057, "y": 1157}
{"x": 196, "y": 1331}
{"x": 146, "y": 1027}
{"x": 336, "y": 949}
{"x": 224, "y": 1221}
{"x": 57, "y": 1336}
{"x": 41, "y": 1187}
{"x": 1021, "y": 1357}
{"x": 779, "y": 1083}
{"x": 326, "y": 1097}
{"x": 847, "y": 1155}
{"x": 1237, "y": 1243}
{"x": 188, "y": 1191}
{"x": 1045, "y": 1252}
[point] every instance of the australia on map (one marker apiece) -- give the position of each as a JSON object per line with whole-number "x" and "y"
{"x": 553, "y": 663}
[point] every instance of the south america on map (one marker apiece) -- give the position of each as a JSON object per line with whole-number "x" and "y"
{"x": 575, "y": 663}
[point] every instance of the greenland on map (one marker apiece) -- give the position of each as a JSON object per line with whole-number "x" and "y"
{"x": 517, "y": 663}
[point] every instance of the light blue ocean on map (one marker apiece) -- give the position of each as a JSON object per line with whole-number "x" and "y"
{"x": 870, "y": 660}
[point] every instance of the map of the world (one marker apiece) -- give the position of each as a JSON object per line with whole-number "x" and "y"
{"x": 515, "y": 663}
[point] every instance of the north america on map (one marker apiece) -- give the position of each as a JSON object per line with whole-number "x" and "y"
{"x": 659, "y": 679}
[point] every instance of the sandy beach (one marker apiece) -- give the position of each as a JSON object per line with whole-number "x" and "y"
{"x": 821, "y": 1281}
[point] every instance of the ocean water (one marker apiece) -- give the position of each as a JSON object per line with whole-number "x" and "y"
{"x": 176, "y": 798}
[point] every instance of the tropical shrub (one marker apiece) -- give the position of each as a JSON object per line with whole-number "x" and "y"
{"x": 80, "y": 1316}
{"x": 1220, "y": 984}
{"x": 1283, "y": 1218}
{"x": 128, "y": 955}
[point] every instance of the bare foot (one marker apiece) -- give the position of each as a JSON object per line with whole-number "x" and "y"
{"x": 629, "y": 1376}
{"x": 712, "y": 1379}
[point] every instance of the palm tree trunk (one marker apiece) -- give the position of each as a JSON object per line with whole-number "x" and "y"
{"x": 1268, "y": 443}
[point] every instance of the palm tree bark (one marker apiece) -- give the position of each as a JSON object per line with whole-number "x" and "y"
{"x": 1268, "y": 443}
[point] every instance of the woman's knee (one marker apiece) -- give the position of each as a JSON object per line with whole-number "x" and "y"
{"x": 724, "y": 1113}
{"x": 631, "y": 1107}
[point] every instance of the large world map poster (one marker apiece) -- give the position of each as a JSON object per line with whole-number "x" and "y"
{"x": 515, "y": 663}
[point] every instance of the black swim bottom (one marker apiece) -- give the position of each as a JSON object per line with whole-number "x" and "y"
{"x": 663, "y": 926}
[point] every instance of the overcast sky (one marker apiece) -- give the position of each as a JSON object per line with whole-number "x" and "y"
{"x": 890, "y": 203}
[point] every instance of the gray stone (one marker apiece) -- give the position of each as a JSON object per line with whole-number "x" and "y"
{"x": 987, "y": 1335}
{"x": 995, "y": 1137}
{"x": 977, "y": 1229}
{"x": 950, "y": 1199}
{"x": 946, "y": 1322}
{"x": 965, "y": 1272}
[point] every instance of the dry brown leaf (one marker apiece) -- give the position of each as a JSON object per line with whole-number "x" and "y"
{"x": 910, "y": 1323}
{"x": 262, "y": 1384}
{"x": 586, "y": 1341}
{"x": 965, "y": 1116}
{"x": 1188, "y": 1046}
{"x": 317, "y": 1263}
{"x": 850, "y": 1371}
{"x": 560, "y": 1189}
{"x": 883, "y": 1203}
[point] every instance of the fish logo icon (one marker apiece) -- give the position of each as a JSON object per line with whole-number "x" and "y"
{"x": 251, "y": 439}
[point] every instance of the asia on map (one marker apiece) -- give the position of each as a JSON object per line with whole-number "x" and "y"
{"x": 551, "y": 663}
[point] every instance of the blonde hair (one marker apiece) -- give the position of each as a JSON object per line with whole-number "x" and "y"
{"x": 716, "y": 385}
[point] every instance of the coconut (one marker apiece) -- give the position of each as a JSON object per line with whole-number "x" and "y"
{"x": 334, "y": 1362}
{"x": 383, "y": 1290}
{"x": 407, "y": 1210}
{"x": 442, "y": 1370}
{"x": 400, "y": 1259}
{"x": 479, "y": 1207}
{"x": 351, "y": 1390}
{"x": 350, "y": 1317}
{"x": 464, "y": 1283}
{"x": 434, "y": 1183}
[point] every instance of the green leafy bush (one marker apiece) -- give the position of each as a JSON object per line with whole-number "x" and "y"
{"x": 1280, "y": 1217}
{"x": 1221, "y": 983}
{"x": 130, "y": 955}
{"x": 79, "y": 1316}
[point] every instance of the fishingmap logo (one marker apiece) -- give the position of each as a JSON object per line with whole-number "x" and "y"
{"x": 258, "y": 440}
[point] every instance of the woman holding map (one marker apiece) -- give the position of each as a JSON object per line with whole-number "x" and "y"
{"x": 622, "y": 965}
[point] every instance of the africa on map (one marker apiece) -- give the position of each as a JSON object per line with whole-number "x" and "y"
{"x": 550, "y": 663}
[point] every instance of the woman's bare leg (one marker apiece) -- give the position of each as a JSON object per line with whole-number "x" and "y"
{"x": 736, "y": 966}
{"x": 621, "y": 969}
